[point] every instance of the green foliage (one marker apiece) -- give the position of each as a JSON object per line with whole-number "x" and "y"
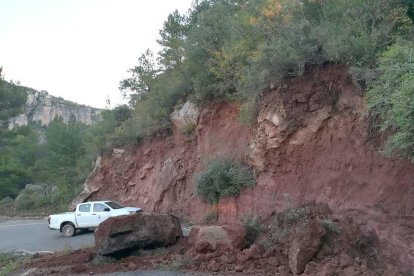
{"x": 60, "y": 155}
{"x": 8, "y": 263}
{"x": 391, "y": 98}
{"x": 223, "y": 49}
{"x": 223, "y": 177}
{"x": 189, "y": 129}
{"x": 410, "y": 10}
{"x": 39, "y": 198}
{"x": 18, "y": 153}
{"x": 12, "y": 99}
{"x": 295, "y": 214}
{"x": 330, "y": 227}
{"x": 247, "y": 113}
{"x": 64, "y": 143}
{"x": 141, "y": 83}
{"x": 238, "y": 48}
{"x": 152, "y": 113}
{"x": 99, "y": 260}
{"x": 172, "y": 40}
{"x": 253, "y": 228}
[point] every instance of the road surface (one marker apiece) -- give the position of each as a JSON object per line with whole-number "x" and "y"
{"x": 34, "y": 235}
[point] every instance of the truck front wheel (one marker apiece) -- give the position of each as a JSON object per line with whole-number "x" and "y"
{"x": 68, "y": 230}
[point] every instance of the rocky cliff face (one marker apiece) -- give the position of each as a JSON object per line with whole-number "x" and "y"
{"x": 43, "y": 108}
{"x": 311, "y": 143}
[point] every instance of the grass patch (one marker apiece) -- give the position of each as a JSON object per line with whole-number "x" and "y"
{"x": 9, "y": 262}
{"x": 101, "y": 260}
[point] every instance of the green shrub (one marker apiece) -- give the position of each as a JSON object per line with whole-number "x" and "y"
{"x": 253, "y": 228}
{"x": 295, "y": 214}
{"x": 391, "y": 99}
{"x": 223, "y": 177}
{"x": 329, "y": 226}
{"x": 99, "y": 260}
{"x": 247, "y": 113}
{"x": 8, "y": 263}
{"x": 189, "y": 129}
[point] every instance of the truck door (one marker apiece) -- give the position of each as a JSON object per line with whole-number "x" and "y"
{"x": 99, "y": 214}
{"x": 83, "y": 215}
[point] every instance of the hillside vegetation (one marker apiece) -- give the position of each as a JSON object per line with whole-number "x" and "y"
{"x": 57, "y": 157}
{"x": 235, "y": 49}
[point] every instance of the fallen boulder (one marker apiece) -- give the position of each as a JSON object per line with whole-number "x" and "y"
{"x": 118, "y": 235}
{"x": 212, "y": 236}
{"x": 305, "y": 245}
{"x": 296, "y": 233}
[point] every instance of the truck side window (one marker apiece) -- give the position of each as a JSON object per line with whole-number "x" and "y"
{"x": 85, "y": 208}
{"x": 99, "y": 207}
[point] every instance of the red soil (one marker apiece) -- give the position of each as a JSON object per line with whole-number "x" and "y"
{"x": 311, "y": 143}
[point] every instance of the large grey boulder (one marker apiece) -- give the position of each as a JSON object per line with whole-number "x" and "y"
{"x": 118, "y": 235}
{"x": 185, "y": 118}
{"x": 33, "y": 193}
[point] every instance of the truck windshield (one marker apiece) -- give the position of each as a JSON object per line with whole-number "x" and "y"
{"x": 114, "y": 205}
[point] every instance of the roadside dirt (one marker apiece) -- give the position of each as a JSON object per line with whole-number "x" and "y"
{"x": 84, "y": 261}
{"x": 287, "y": 242}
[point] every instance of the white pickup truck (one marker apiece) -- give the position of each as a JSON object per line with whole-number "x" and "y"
{"x": 88, "y": 215}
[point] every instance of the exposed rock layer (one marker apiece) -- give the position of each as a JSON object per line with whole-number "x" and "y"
{"x": 311, "y": 143}
{"x": 43, "y": 108}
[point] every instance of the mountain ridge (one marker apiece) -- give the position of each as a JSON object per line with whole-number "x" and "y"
{"x": 42, "y": 108}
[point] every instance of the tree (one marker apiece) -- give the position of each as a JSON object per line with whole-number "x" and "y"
{"x": 18, "y": 153}
{"x": 173, "y": 35}
{"x": 140, "y": 84}
{"x": 391, "y": 98}
{"x": 63, "y": 148}
{"x": 12, "y": 99}
{"x": 410, "y": 10}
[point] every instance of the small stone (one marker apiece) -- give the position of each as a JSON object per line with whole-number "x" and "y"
{"x": 238, "y": 268}
{"x": 132, "y": 266}
{"x": 357, "y": 260}
{"x": 345, "y": 261}
{"x": 213, "y": 266}
{"x": 273, "y": 261}
{"x": 203, "y": 247}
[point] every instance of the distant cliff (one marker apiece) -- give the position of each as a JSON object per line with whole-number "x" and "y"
{"x": 43, "y": 108}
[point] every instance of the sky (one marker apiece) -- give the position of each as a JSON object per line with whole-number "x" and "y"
{"x": 79, "y": 49}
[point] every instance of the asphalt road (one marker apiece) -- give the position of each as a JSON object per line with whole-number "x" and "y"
{"x": 34, "y": 235}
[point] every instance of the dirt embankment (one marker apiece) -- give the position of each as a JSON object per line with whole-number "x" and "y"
{"x": 311, "y": 143}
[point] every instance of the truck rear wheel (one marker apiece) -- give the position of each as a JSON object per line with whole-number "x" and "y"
{"x": 68, "y": 230}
